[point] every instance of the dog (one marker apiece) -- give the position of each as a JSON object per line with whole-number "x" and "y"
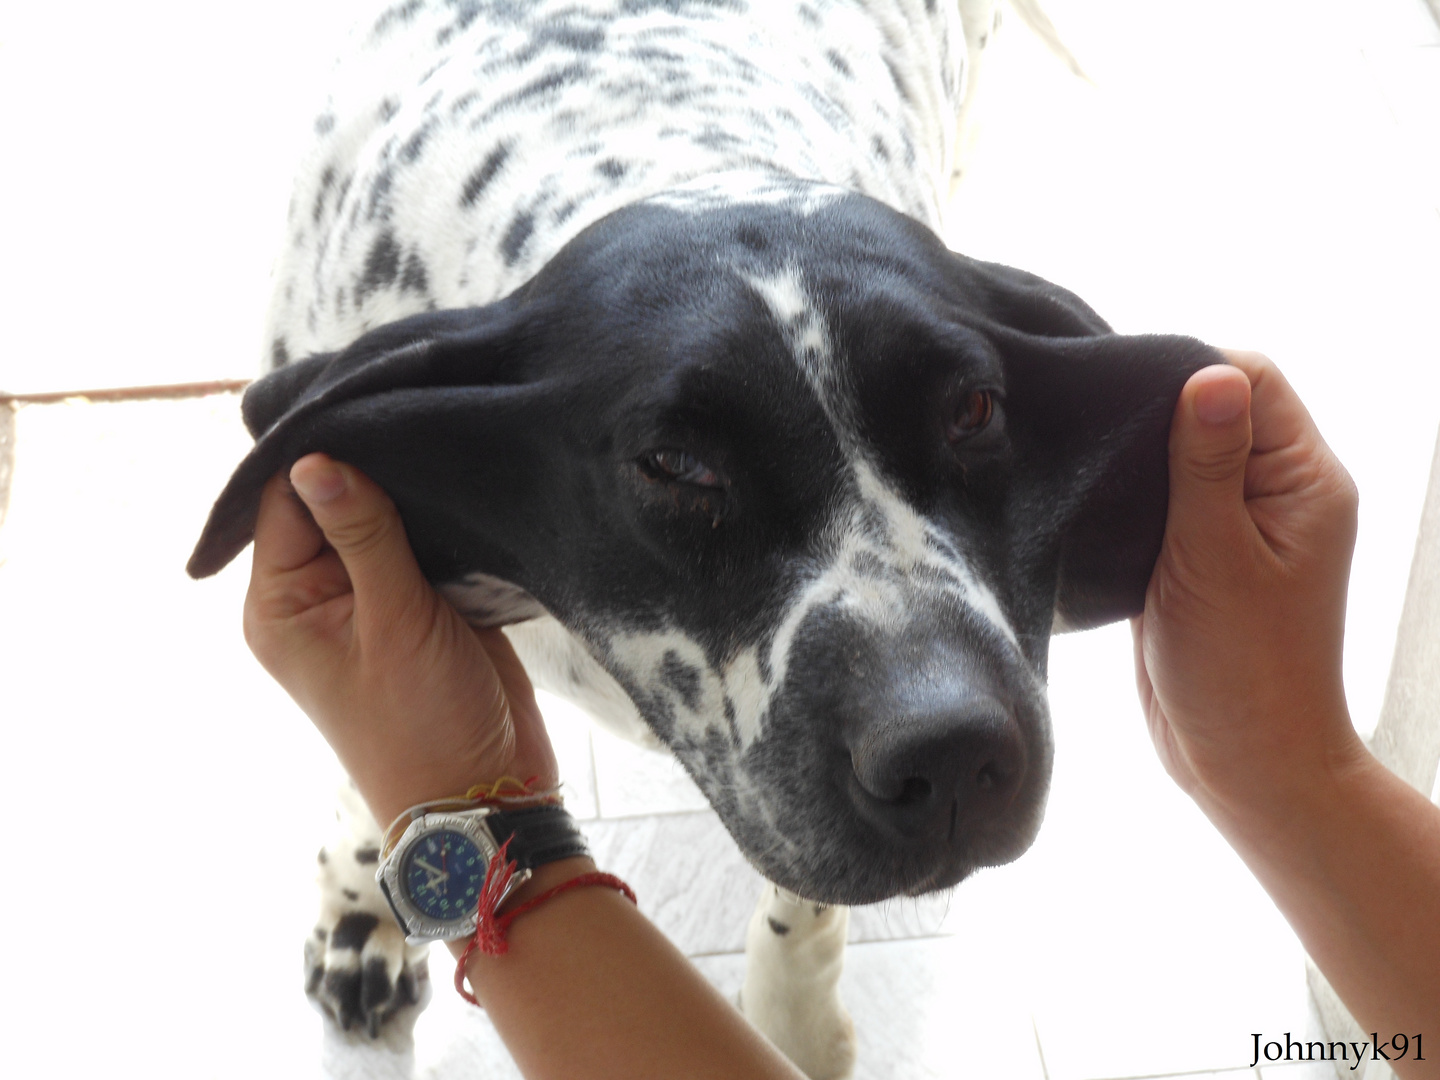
{"x": 638, "y": 310}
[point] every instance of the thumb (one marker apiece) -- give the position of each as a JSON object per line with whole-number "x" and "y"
{"x": 1209, "y": 448}
{"x": 362, "y": 525}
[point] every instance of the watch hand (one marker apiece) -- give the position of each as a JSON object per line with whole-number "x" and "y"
{"x": 433, "y": 877}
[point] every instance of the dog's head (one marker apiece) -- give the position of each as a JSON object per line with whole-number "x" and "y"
{"x": 811, "y": 487}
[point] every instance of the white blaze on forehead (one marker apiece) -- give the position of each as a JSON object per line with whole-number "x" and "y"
{"x": 909, "y": 542}
{"x": 800, "y": 320}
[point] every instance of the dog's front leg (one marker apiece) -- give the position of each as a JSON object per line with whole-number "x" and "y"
{"x": 358, "y": 967}
{"x": 794, "y": 952}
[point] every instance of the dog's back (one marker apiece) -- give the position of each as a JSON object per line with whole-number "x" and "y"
{"x": 464, "y": 143}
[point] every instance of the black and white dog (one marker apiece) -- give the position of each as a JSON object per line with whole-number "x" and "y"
{"x": 638, "y": 311}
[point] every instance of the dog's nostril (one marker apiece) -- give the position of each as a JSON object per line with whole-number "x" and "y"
{"x": 916, "y": 789}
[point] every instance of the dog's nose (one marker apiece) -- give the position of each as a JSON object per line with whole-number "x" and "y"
{"x": 938, "y": 773}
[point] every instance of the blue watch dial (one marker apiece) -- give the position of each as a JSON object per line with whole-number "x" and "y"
{"x": 444, "y": 873}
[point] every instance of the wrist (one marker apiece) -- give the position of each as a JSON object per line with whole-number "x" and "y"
{"x": 544, "y": 877}
{"x": 1282, "y": 802}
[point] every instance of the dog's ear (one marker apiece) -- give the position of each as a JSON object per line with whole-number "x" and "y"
{"x": 1089, "y": 413}
{"x": 355, "y": 401}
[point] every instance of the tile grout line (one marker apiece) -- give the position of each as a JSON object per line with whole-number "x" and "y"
{"x": 130, "y": 393}
{"x": 1035, "y": 1029}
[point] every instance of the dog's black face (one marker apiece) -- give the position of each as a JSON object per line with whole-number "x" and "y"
{"x": 811, "y": 487}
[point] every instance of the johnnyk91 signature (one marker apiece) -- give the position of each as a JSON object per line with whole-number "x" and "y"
{"x": 1395, "y": 1048}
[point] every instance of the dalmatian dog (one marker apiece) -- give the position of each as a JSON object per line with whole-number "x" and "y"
{"x": 638, "y": 310}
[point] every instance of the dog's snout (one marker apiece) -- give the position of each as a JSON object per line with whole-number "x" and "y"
{"x": 938, "y": 774}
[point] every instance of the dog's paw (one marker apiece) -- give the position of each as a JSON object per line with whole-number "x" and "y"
{"x": 358, "y": 968}
{"x": 360, "y": 971}
{"x": 794, "y": 952}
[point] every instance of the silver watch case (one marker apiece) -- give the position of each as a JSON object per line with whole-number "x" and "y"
{"x": 419, "y": 927}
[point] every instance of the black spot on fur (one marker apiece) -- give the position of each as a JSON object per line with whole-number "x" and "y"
{"x": 397, "y": 14}
{"x": 350, "y": 894}
{"x": 898, "y": 79}
{"x": 681, "y": 677}
{"x": 325, "y": 123}
{"x": 676, "y": 7}
{"x": 410, "y": 152}
{"x": 378, "y": 204}
{"x": 382, "y": 266}
{"x": 367, "y": 856}
{"x": 312, "y": 979}
{"x": 839, "y": 63}
{"x": 612, "y": 169}
{"x": 414, "y": 278}
{"x": 809, "y": 15}
{"x": 353, "y": 930}
{"x": 342, "y": 997}
{"x": 388, "y": 108}
{"x": 407, "y": 990}
{"x": 320, "y": 933}
{"x": 279, "y": 357}
{"x": 779, "y": 929}
{"x": 323, "y": 857}
{"x": 879, "y": 149}
{"x": 551, "y": 80}
{"x": 468, "y": 11}
{"x": 480, "y": 179}
{"x": 375, "y": 985}
{"x": 753, "y": 238}
{"x": 326, "y": 179}
{"x": 516, "y": 237}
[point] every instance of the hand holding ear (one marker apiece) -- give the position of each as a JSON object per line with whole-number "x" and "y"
{"x": 1238, "y": 653}
{"x": 416, "y": 704}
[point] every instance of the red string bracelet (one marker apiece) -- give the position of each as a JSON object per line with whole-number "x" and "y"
{"x": 491, "y": 928}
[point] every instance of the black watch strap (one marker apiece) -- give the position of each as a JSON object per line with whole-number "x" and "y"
{"x": 543, "y": 834}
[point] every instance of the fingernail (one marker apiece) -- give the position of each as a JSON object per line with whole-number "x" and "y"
{"x": 1220, "y": 401}
{"x": 319, "y": 483}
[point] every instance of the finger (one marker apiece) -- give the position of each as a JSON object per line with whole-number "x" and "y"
{"x": 1209, "y": 448}
{"x": 1278, "y": 418}
{"x": 362, "y": 525}
{"x": 286, "y": 537}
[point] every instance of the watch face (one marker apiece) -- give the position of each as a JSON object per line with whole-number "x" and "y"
{"x": 443, "y": 873}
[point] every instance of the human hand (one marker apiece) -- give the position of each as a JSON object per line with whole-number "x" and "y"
{"x": 416, "y": 704}
{"x": 1238, "y": 653}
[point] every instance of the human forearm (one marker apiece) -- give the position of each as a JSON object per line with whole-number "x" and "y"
{"x": 591, "y": 989}
{"x": 1351, "y": 857}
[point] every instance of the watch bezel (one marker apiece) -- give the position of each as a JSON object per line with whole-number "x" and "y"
{"x": 420, "y": 927}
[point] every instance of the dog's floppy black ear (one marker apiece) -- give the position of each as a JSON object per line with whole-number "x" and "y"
{"x": 302, "y": 407}
{"x": 1089, "y": 412}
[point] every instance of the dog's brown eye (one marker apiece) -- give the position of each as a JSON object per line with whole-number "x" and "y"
{"x": 971, "y": 414}
{"x": 681, "y": 468}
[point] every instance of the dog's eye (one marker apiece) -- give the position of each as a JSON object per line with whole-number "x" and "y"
{"x": 972, "y": 414}
{"x": 681, "y": 468}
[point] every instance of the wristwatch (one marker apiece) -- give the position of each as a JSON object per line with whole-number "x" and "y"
{"x": 433, "y": 876}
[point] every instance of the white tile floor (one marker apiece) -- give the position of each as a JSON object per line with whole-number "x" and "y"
{"x": 1255, "y": 172}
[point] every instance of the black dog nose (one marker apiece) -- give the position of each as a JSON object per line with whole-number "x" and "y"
{"x": 940, "y": 772}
